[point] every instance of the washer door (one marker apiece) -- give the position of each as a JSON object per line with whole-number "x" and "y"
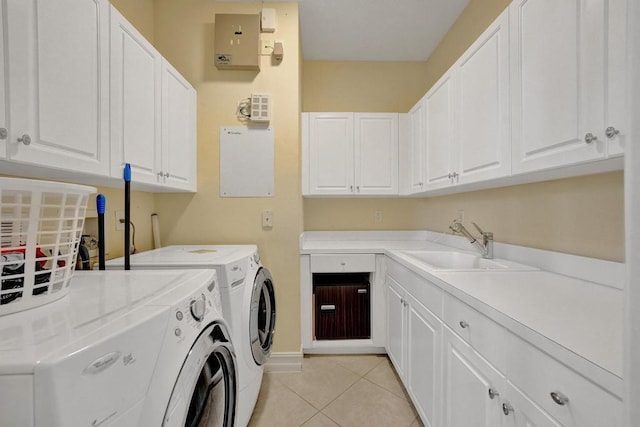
{"x": 205, "y": 392}
{"x": 263, "y": 316}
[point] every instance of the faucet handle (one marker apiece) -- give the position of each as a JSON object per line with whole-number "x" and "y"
{"x": 479, "y": 229}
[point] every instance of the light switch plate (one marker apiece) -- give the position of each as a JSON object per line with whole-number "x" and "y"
{"x": 267, "y": 219}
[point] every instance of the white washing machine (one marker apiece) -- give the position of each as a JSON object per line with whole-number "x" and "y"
{"x": 134, "y": 348}
{"x": 248, "y": 303}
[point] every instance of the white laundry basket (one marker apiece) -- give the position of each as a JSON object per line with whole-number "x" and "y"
{"x": 41, "y": 226}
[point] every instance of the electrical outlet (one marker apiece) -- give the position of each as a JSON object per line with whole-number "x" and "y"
{"x": 460, "y": 215}
{"x": 266, "y": 46}
{"x": 377, "y": 215}
{"x": 119, "y": 220}
{"x": 267, "y": 219}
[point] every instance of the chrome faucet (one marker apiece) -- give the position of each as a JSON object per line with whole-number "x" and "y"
{"x": 486, "y": 247}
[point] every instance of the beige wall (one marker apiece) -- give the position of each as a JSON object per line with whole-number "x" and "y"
{"x": 140, "y": 13}
{"x": 362, "y": 86}
{"x": 184, "y": 34}
{"x": 142, "y": 206}
{"x": 582, "y": 216}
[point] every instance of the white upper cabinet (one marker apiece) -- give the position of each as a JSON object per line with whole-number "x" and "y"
{"x": 4, "y": 123}
{"x": 482, "y": 107}
{"x": 376, "y": 153}
{"x": 467, "y": 114}
{"x": 330, "y": 153}
{"x": 58, "y": 62}
{"x": 152, "y": 113}
{"x": 350, "y": 154}
{"x": 439, "y": 131}
{"x": 179, "y": 147}
{"x": 558, "y": 82}
{"x": 616, "y": 114}
{"x": 416, "y": 163}
{"x": 135, "y": 103}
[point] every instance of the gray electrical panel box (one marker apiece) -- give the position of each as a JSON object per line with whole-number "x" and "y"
{"x": 237, "y": 42}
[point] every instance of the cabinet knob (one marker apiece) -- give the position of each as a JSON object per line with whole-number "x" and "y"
{"x": 3, "y": 133}
{"x": 358, "y": 188}
{"x": 160, "y": 174}
{"x": 559, "y": 398}
{"x": 166, "y": 175}
{"x": 351, "y": 188}
{"x": 611, "y": 132}
{"x": 493, "y": 393}
{"x": 589, "y": 138}
{"x": 25, "y": 139}
{"x": 507, "y": 408}
{"x": 463, "y": 324}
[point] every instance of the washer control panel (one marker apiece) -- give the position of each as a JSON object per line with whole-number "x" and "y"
{"x": 198, "y": 307}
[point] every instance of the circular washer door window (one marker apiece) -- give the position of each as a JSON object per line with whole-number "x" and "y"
{"x": 263, "y": 316}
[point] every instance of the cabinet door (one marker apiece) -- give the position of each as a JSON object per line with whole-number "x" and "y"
{"x": 617, "y": 84}
{"x": 482, "y": 120}
{"x": 558, "y": 65}
{"x": 58, "y": 61}
{"x": 135, "y": 103}
{"x": 440, "y": 147}
{"x": 4, "y": 133}
{"x": 179, "y": 144}
{"x": 424, "y": 367}
{"x": 376, "y": 153}
{"x": 522, "y": 412}
{"x": 331, "y": 153}
{"x": 396, "y": 326}
{"x": 417, "y": 147}
{"x": 467, "y": 378}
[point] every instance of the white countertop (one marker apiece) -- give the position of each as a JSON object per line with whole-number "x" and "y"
{"x": 580, "y": 316}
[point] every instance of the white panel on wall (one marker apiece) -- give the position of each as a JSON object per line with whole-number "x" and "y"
{"x": 246, "y": 162}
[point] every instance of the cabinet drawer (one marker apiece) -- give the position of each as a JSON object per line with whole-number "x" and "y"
{"x": 587, "y": 404}
{"x": 334, "y": 263}
{"x": 483, "y": 334}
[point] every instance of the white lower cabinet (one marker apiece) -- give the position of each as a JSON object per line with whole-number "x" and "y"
{"x": 471, "y": 386}
{"x": 413, "y": 345}
{"x": 424, "y": 341}
{"x": 396, "y": 326}
{"x": 520, "y": 411}
{"x": 464, "y": 369}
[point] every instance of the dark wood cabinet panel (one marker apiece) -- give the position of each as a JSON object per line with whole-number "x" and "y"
{"x": 342, "y": 310}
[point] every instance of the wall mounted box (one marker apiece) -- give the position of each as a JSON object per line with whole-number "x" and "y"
{"x": 237, "y": 42}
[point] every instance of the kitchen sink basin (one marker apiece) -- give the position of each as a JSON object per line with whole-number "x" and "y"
{"x": 460, "y": 261}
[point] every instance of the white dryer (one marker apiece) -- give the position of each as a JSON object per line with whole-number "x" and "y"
{"x": 248, "y": 303}
{"x": 131, "y": 348}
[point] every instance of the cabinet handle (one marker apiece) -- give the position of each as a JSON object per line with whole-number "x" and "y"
{"x": 611, "y": 132}
{"x": 25, "y": 139}
{"x": 589, "y": 138}
{"x": 3, "y": 133}
{"x": 559, "y": 398}
{"x": 493, "y": 393}
{"x": 507, "y": 408}
{"x": 463, "y": 324}
{"x": 327, "y": 307}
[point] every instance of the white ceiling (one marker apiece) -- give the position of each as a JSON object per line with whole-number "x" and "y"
{"x": 374, "y": 30}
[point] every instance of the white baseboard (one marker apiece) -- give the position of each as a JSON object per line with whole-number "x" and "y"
{"x": 284, "y": 362}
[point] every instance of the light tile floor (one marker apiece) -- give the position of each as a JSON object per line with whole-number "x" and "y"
{"x": 349, "y": 390}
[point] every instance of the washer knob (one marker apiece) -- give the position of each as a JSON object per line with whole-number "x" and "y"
{"x": 197, "y": 307}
